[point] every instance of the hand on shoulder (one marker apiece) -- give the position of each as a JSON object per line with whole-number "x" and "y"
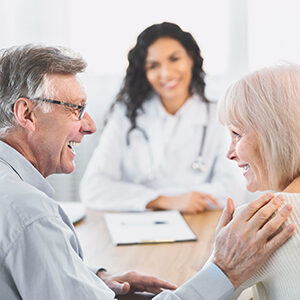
{"x": 243, "y": 243}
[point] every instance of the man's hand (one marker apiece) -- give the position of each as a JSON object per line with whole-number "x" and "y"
{"x": 130, "y": 282}
{"x": 193, "y": 202}
{"x": 243, "y": 243}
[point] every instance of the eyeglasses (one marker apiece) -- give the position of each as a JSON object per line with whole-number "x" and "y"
{"x": 80, "y": 109}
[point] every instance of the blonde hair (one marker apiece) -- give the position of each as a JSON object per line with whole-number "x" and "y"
{"x": 268, "y": 102}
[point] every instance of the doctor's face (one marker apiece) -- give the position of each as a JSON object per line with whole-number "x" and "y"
{"x": 168, "y": 69}
{"x": 244, "y": 149}
{"x": 60, "y": 130}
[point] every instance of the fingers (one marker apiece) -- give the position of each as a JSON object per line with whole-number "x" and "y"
{"x": 200, "y": 205}
{"x": 195, "y": 205}
{"x": 136, "y": 282}
{"x": 162, "y": 284}
{"x": 211, "y": 199}
{"x": 125, "y": 288}
{"x": 145, "y": 288}
{"x": 120, "y": 288}
{"x": 226, "y": 215}
{"x": 254, "y": 206}
{"x": 199, "y": 202}
{"x": 193, "y": 202}
{"x": 153, "y": 282}
{"x": 153, "y": 290}
{"x": 280, "y": 238}
{"x": 272, "y": 227}
{"x": 246, "y": 242}
{"x": 262, "y": 216}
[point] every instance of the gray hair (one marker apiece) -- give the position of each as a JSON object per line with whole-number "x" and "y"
{"x": 268, "y": 102}
{"x": 23, "y": 73}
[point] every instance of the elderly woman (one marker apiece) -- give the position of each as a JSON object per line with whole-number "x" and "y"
{"x": 262, "y": 113}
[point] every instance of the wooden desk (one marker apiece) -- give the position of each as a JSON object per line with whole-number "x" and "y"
{"x": 175, "y": 262}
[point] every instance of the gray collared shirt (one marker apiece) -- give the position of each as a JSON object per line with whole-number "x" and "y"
{"x": 40, "y": 255}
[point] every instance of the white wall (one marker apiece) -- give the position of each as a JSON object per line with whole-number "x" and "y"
{"x": 234, "y": 35}
{"x": 273, "y": 35}
{"x": 112, "y": 27}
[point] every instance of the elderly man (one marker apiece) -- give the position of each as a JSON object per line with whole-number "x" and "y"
{"x": 42, "y": 117}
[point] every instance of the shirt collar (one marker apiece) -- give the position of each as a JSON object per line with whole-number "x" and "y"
{"x": 194, "y": 109}
{"x": 24, "y": 169}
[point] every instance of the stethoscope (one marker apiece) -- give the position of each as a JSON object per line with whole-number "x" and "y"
{"x": 198, "y": 165}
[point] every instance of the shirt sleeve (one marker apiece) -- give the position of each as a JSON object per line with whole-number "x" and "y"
{"x": 208, "y": 284}
{"x": 102, "y": 186}
{"x": 44, "y": 264}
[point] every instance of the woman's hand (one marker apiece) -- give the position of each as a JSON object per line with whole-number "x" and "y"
{"x": 192, "y": 203}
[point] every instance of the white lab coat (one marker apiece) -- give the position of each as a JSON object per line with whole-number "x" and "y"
{"x": 122, "y": 177}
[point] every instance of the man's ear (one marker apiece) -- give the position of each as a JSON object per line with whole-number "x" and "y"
{"x": 24, "y": 114}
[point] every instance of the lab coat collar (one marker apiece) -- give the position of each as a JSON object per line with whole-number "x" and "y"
{"x": 24, "y": 169}
{"x": 193, "y": 109}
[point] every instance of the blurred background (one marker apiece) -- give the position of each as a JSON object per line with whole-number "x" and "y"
{"x": 235, "y": 37}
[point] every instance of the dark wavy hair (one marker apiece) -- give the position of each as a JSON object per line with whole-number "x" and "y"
{"x": 136, "y": 89}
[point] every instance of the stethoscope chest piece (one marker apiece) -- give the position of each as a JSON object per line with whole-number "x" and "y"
{"x": 198, "y": 164}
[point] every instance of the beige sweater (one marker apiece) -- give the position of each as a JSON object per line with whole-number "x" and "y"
{"x": 279, "y": 277}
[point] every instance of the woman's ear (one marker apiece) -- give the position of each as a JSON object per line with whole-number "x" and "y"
{"x": 24, "y": 114}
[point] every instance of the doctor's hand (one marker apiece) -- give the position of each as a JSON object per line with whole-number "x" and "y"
{"x": 192, "y": 203}
{"x": 244, "y": 243}
{"x": 130, "y": 282}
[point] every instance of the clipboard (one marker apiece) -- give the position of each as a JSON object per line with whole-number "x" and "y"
{"x": 148, "y": 228}
{"x": 75, "y": 210}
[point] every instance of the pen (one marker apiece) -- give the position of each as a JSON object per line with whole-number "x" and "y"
{"x": 138, "y": 223}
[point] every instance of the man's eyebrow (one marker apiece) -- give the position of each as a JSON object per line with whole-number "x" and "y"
{"x": 82, "y": 101}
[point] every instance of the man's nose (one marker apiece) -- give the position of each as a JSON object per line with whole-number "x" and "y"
{"x": 88, "y": 125}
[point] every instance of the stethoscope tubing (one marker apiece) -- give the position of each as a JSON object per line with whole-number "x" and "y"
{"x": 198, "y": 165}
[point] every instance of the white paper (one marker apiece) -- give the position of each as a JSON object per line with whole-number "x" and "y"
{"x": 74, "y": 210}
{"x": 148, "y": 227}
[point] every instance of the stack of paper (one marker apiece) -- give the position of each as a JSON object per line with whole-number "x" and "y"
{"x": 148, "y": 227}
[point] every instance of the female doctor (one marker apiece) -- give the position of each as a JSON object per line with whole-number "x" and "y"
{"x": 162, "y": 147}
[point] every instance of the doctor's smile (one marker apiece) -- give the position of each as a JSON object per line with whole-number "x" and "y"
{"x": 170, "y": 84}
